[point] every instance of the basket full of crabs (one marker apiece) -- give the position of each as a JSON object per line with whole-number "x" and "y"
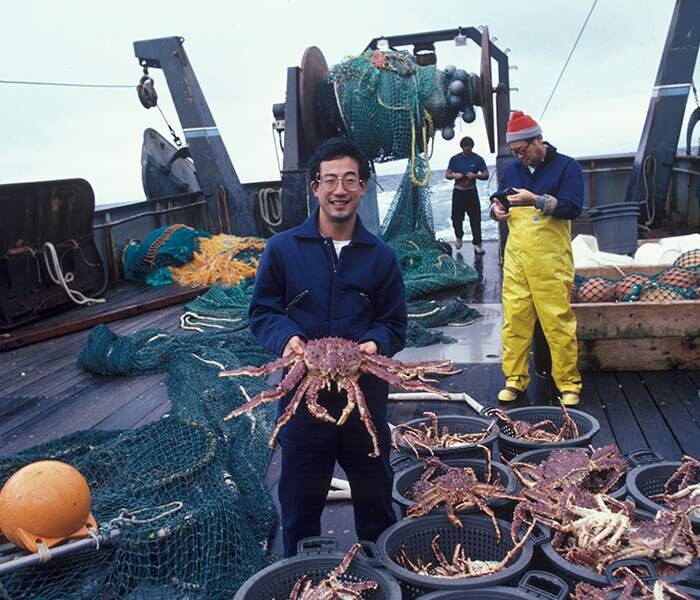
{"x": 590, "y": 532}
{"x": 533, "y": 427}
{"x": 455, "y": 486}
{"x": 445, "y": 436}
{"x": 432, "y": 553}
{"x": 597, "y": 470}
{"x": 658, "y": 484}
{"x": 319, "y": 570}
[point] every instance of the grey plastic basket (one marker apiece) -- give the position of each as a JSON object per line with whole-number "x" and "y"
{"x": 534, "y": 585}
{"x": 317, "y": 557}
{"x": 476, "y": 536}
{"x": 511, "y": 446}
{"x": 455, "y": 424}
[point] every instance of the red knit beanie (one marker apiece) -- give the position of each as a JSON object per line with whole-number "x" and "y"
{"x": 521, "y": 127}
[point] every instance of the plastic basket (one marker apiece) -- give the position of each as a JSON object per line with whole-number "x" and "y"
{"x": 316, "y": 558}
{"x": 455, "y": 424}
{"x": 533, "y": 585}
{"x": 649, "y": 479}
{"x": 510, "y": 446}
{"x": 477, "y": 537}
{"x": 404, "y": 479}
{"x": 535, "y": 457}
{"x": 572, "y": 573}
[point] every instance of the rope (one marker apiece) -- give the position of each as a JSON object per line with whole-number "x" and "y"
{"x": 651, "y": 209}
{"x": 59, "y": 278}
{"x": 568, "y": 58}
{"x": 64, "y": 84}
{"x": 210, "y": 362}
{"x": 188, "y": 321}
{"x": 270, "y": 209}
{"x": 129, "y": 517}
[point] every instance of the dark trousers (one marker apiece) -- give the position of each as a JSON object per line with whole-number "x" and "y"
{"x": 310, "y": 449}
{"x": 466, "y": 201}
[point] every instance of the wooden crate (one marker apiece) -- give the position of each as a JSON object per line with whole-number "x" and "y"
{"x": 637, "y": 336}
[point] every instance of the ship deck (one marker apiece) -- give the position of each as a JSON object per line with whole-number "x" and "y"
{"x": 44, "y": 395}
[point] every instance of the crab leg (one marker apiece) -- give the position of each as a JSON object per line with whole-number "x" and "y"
{"x": 289, "y": 411}
{"x": 366, "y": 418}
{"x": 280, "y": 363}
{"x": 286, "y": 385}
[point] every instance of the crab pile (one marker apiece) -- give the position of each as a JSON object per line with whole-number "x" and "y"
{"x": 431, "y": 437}
{"x": 542, "y": 431}
{"x": 681, "y": 492}
{"x": 336, "y": 361}
{"x": 631, "y": 587}
{"x": 331, "y": 588}
{"x": 594, "y": 530}
{"x": 456, "y": 489}
{"x": 596, "y": 470}
{"x": 460, "y": 566}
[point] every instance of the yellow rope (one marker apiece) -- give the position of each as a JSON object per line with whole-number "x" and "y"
{"x": 216, "y": 262}
{"x": 426, "y": 179}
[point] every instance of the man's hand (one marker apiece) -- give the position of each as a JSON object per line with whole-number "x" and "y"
{"x": 471, "y": 176}
{"x": 369, "y": 347}
{"x": 499, "y": 212}
{"x": 295, "y": 345}
{"x": 522, "y": 198}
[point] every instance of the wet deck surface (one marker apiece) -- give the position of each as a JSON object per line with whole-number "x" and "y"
{"x": 43, "y": 395}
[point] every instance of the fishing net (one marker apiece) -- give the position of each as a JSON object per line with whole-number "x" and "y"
{"x": 166, "y": 246}
{"x": 185, "y": 493}
{"x": 389, "y": 106}
{"x": 689, "y": 260}
{"x": 670, "y": 284}
{"x": 223, "y": 260}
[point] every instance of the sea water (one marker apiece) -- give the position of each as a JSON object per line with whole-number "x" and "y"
{"x": 441, "y": 201}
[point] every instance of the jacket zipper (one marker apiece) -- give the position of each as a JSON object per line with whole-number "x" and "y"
{"x": 295, "y": 301}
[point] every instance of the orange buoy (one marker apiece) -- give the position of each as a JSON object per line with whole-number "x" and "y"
{"x": 45, "y": 502}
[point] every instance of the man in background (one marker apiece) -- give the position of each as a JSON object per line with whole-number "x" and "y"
{"x": 464, "y": 169}
{"x": 538, "y": 267}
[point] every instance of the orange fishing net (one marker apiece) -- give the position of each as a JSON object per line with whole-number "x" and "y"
{"x": 221, "y": 260}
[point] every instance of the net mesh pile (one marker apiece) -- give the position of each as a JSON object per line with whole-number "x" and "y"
{"x": 669, "y": 284}
{"x": 187, "y": 492}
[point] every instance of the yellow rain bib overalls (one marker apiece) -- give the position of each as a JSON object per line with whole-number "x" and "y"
{"x": 538, "y": 275}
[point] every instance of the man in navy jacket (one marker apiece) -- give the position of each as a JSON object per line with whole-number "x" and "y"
{"x": 331, "y": 277}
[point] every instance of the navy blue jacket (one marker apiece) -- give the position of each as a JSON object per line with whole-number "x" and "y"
{"x": 303, "y": 289}
{"x": 557, "y": 175}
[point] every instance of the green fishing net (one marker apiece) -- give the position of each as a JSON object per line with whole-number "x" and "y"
{"x": 184, "y": 497}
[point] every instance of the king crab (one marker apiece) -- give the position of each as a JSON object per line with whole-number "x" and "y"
{"x": 686, "y": 497}
{"x": 596, "y": 470}
{"x": 331, "y": 588}
{"x": 631, "y": 587}
{"x": 457, "y": 488}
{"x": 326, "y": 361}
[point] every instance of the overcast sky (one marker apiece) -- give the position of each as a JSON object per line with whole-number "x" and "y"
{"x": 240, "y": 57}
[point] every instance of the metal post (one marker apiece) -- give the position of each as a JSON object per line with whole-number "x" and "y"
{"x": 213, "y": 164}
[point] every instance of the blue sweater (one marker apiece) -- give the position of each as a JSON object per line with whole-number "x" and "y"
{"x": 558, "y": 175}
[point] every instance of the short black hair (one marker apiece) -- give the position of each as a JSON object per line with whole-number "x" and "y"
{"x": 466, "y": 141}
{"x": 338, "y": 147}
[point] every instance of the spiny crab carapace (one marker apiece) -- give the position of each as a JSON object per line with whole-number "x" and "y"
{"x": 336, "y": 360}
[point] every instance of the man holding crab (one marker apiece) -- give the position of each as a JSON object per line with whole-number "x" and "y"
{"x": 331, "y": 277}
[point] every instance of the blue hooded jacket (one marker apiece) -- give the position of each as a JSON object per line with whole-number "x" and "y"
{"x": 303, "y": 289}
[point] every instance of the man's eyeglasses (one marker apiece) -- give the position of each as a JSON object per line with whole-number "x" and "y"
{"x": 522, "y": 150}
{"x": 329, "y": 183}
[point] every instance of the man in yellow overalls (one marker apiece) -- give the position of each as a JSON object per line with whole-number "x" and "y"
{"x": 538, "y": 269}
